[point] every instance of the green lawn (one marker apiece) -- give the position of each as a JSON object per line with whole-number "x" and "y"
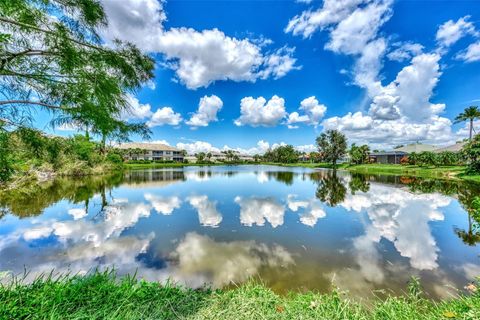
{"x": 101, "y": 296}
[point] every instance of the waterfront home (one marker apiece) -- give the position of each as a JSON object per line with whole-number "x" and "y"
{"x": 394, "y": 156}
{"x": 151, "y": 151}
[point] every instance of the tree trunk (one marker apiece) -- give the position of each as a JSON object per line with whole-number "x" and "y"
{"x": 471, "y": 129}
{"x": 104, "y": 140}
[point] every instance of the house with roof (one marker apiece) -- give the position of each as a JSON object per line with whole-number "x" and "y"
{"x": 394, "y": 156}
{"x": 151, "y": 151}
{"x": 457, "y": 147}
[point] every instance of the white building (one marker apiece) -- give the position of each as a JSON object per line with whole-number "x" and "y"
{"x": 151, "y": 151}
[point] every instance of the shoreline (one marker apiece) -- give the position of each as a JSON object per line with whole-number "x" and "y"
{"x": 454, "y": 173}
{"x": 102, "y": 295}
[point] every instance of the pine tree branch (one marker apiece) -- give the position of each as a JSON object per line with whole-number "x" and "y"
{"x": 29, "y": 26}
{"x": 26, "y": 102}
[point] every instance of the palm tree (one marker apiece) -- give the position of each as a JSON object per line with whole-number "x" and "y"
{"x": 471, "y": 113}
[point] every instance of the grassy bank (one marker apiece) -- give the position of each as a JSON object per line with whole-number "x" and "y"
{"x": 443, "y": 172}
{"x": 101, "y": 296}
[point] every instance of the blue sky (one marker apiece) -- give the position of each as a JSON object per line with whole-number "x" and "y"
{"x": 384, "y": 72}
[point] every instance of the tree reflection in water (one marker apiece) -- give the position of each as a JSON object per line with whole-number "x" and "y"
{"x": 330, "y": 189}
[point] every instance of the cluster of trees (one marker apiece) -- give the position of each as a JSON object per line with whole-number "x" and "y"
{"x": 52, "y": 59}
{"x": 30, "y": 148}
{"x": 282, "y": 154}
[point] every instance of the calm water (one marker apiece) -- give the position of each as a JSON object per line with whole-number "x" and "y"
{"x": 296, "y": 229}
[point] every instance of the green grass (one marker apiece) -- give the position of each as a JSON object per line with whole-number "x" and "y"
{"x": 102, "y": 296}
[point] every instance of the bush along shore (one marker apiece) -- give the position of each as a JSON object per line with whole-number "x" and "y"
{"x": 104, "y": 296}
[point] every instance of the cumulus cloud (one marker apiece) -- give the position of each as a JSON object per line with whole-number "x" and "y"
{"x": 197, "y": 57}
{"x": 405, "y": 51}
{"x": 402, "y": 218}
{"x": 136, "y": 110}
{"x": 401, "y": 112}
{"x": 208, "y": 108}
{"x": 208, "y": 214}
{"x": 165, "y": 142}
{"x": 452, "y": 31}
{"x": 471, "y": 54}
{"x": 200, "y": 259}
{"x": 313, "y": 113}
{"x": 261, "y": 147}
{"x": 258, "y": 112}
{"x": 353, "y": 27}
{"x": 164, "y": 116}
{"x": 255, "y": 210}
{"x": 196, "y": 147}
{"x": 352, "y": 34}
{"x": 77, "y": 213}
{"x": 163, "y": 205}
{"x": 312, "y": 209}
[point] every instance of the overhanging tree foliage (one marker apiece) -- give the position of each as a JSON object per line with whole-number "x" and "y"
{"x": 52, "y": 58}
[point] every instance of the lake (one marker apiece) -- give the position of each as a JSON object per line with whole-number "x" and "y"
{"x": 293, "y": 228}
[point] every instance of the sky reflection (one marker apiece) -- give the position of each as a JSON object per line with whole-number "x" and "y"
{"x": 294, "y": 228}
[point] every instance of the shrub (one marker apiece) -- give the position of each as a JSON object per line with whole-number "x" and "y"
{"x": 413, "y": 158}
{"x": 472, "y": 153}
{"x": 6, "y": 161}
{"x": 428, "y": 158}
{"x": 114, "y": 158}
{"x": 448, "y": 158}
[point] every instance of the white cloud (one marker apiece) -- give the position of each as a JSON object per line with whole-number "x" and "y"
{"x": 197, "y": 57}
{"x": 137, "y": 21}
{"x": 136, "y": 110}
{"x": 255, "y": 210}
{"x": 258, "y": 112}
{"x": 353, "y": 26}
{"x": 278, "y": 64}
{"x": 196, "y": 147}
{"x": 165, "y": 142}
{"x": 405, "y": 51}
{"x": 261, "y": 147}
{"x": 451, "y": 31}
{"x": 349, "y": 122}
{"x": 295, "y": 117}
{"x": 306, "y": 148}
{"x": 401, "y": 112}
{"x": 163, "y": 205}
{"x": 208, "y": 108}
{"x": 471, "y": 54}
{"x": 37, "y": 233}
{"x": 403, "y": 218}
{"x": 164, "y": 116}
{"x": 312, "y": 209}
{"x": 353, "y": 33}
{"x": 203, "y": 260}
{"x": 77, "y": 213}
{"x": 333, "y": 11}
{"x": 208, "y": 214}
{"x": 314, "y": 112}
{"x": 413, "y": 88}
